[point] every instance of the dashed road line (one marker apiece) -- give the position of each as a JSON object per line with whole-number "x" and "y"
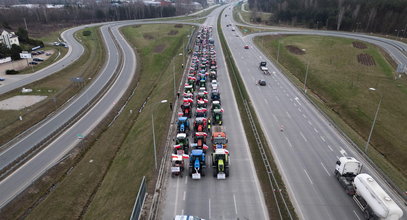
{"x": 323, "y": 139}
{"x": 325, "y": 169}
{"x": 330, "y": 148}
{"x": 308, "y": 176}
{"x": 302, "y": 135}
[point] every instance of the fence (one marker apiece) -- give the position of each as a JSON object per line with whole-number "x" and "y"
{"x": 138, "y": 204}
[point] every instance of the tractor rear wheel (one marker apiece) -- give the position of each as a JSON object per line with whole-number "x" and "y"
{"x": 227, "y": 171}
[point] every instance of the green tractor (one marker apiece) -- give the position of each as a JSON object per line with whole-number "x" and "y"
{"x": 217, "y": 116}
{"x": 220, "y": 163}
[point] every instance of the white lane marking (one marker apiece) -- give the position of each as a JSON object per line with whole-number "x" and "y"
{"x": 299, "y": 109}
{"x": 182, "y": 212}
{"x": 330, "y": 148}
{"x": 343, "y": 152}
{"x": 302, "y": 135}
{"x": 356, "y": 214}
{"x": 183, "y": 198}
{"x": 291, "y": 99}
{"x": 308, "y": 176}
{"x": 304, "y": 116}
{"x": 186, "y": 181}
{"x": 265, "y": 100}
{"x": 325, "y": 169}
{"x": 323, "y": 139}
{"x": 295, "y": 104}
{"x": 234, "y": 200}
{"x": 315, "y": 130}
{"x": 289, "y": 142}
{"x": 309, "y": 122}
{"x": 288, "y": 114}
{"x": 337, "y": 157}
{"x": 209, "y": 208}
{"x": 277, "y": 98}
{"x": 298, "y": 100}
{"x": 275, "y": 118}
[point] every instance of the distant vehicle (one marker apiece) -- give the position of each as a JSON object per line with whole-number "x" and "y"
{"x": 187, "y": 217}
{"x": 38, "y": 59}
{"x": 263, "y": 68}
{"x": 33, "y": 63}
{"x": 214, "y": 84}
{"x": 262, "y": 82}
{"x": 2, "y": 79}
{"x": 48, "y": 54}
{"x": 34, "y": 53}
{"x": 233, "y": 29}
{"x": 40, "y": 52}
{"x": 246, "y": 46}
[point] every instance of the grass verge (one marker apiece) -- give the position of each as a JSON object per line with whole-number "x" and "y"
{"x": 241, "y": 96}
{"x": 58, "y": 87}
{"x": 338, "y": 85}
{"x": 102, "y": 181}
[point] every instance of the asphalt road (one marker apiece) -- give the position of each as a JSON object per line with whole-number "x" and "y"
{"x": 237, "y": 197}
{"x": 74, "y": 52}
{"x": 308, "y": 147}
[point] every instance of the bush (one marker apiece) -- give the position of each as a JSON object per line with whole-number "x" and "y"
{"x": 86, "y": 33}
{"x": 11, "y": 72}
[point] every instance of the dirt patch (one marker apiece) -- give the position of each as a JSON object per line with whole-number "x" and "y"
{"x": 359, "y": 45}
{"x": 295, "y": 50}
{"x": 159, "y": 48}
{"x": 20, "y": 102}
{"x": 137, "y": 26}
{"x": 148, "y": 36}
{"x": 366, "y": 59}
{"x": 178, "y": 25}
{"x": 173, "y": 32}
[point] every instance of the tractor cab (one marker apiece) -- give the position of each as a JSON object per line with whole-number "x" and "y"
{"x": 177, "y": 165}
{"x": 217, "y": 116}
{"x": 201, "y": 112}
{"x": 188, "y": 88}
{"x": 216, "y": 105}
{"x": 215, "y": 95}
{"x": 186, "y": 109}
{"x": 220, "y": 163}
{"x": 200, "y": 124}
{"x": 182, "y": 140}
{"x": 197, "y": 164}
{"x": 202, "y": 103}
{"x": 183, "y": 125}
{"x": 213, "y": 75}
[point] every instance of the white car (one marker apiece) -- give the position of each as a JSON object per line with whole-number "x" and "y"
{"x": 214, "y": 84}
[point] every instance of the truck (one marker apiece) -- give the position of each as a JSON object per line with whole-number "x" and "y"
{"x": 263, "y": 68}
{"x": 220, "y": 163}
{"x": 219, "y": 138}
{"x": 369, "y": 196}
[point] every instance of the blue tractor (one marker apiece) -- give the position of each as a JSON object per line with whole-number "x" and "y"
{"x": 183, "y": 125}
{"x": 197, "y": 164}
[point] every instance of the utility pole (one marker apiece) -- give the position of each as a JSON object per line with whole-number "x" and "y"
{"x": 374, "y": 122}
{"x": 26, "y": 27}
{"x": 278, "y": 50}
{"x": 306, "y": 76}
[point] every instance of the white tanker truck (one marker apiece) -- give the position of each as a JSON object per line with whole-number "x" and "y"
{"x": 374, "y": 202}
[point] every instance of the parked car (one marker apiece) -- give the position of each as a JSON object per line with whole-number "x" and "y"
{"x": 214, "y": 84}
{"x": 34, "y": 53}
{"x": 33, "y": 63}
{"x": 2, "y": 79}
{"x": 262, "y": 82}
{"x": 38, "y": 59}
{"x": 48, "y": 54}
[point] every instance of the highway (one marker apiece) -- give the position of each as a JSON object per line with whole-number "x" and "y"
{"x": 237, "y": 197}
{"x": 308, "y": 147}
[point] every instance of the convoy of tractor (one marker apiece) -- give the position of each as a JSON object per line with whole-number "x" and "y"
{"x": 200, "y": 108}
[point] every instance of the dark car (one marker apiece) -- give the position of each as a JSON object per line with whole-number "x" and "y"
{"x": 38, "y": 59}
{"x": 262, "y": 82}
{"x": 246, "y": 46}
{"x": 33, "y": 63}
{"x": 2, "y": 79}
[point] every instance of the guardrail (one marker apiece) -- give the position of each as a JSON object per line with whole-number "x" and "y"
{"x": 138, "y": 203}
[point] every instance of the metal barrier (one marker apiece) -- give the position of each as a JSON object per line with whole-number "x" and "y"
{"x": 138, "y": 204}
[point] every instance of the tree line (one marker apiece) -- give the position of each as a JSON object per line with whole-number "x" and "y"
{"x": 380, "y": 16}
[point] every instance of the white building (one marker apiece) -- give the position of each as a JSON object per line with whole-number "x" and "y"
{"x": 9, "y": 38}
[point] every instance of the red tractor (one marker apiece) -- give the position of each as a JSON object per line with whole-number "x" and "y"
{"x": 200, "y": 141}
{"x": 186, "y": 109}
{"x": 200, "y": 124}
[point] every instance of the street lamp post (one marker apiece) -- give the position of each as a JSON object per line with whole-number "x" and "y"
{"x": 306, "y": 76}
{"x": 152, "y": 122}
{"x": 374, "y": 120}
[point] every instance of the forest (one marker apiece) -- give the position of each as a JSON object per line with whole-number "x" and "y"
{"x": 379, "y": 16}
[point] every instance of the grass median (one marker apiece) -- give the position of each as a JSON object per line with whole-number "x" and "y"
{"x": 103, "y": 181}
{"x": 339, "y": 84}
{"x": 58, "y": 88}
{"x": 241, "y": 96}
